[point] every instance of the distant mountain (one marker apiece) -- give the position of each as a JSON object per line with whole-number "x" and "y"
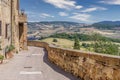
{"x": 32, "y": 26}
{"x": 109, "y": 22}
{"x": 66, "y": 24}
{"x": 38, "y": 29}
{"x": 106, "y": 25}
{"x": 54, "y": 24}
{"x": 60, "y": 22}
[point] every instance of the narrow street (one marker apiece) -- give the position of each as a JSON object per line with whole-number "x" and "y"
{"x": 32, "y": 65}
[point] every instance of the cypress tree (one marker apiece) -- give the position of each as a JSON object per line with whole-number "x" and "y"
{"x": 76, "y": 43}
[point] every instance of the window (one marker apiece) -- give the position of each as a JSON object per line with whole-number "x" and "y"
{"x": 6, "y": 26}
{"x": 6, "y": 30}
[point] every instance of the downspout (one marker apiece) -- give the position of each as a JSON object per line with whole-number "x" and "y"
{"x": 11, "y": 21}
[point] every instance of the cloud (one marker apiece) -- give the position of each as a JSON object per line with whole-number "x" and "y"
{"x": 30, "y": 13}
{"x": 111, "y": 2}
{"x": 36, "y": 16}
{"x": 45, "y": 15}
{"x": 89, "y": 10}
{"x": 32, "y": 16}
{"x": 94, "y": 9}
{"x": 63, "y": 14}
{"x": 64, "y": 4}
{"x": 81, "y": 17}
{"x": 78, "y": 7}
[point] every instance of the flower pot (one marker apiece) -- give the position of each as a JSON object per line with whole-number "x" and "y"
{"x": 9, "y": 54}
{"x": 1, "y": 61}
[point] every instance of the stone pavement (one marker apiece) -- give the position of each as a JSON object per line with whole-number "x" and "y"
{"x": 32, "y": 65}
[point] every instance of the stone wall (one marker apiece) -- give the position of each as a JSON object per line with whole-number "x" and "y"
{"x": 10, "y": 20}
{"x": 15, "y": 26}
{"x": 18, "y": 18}
{"x": 87, "y": 66}
{"x": 5, "y": 25}
{"x": 23, "y": 31}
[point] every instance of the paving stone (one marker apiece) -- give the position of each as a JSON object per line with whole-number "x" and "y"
{"x": 39, "y": 67}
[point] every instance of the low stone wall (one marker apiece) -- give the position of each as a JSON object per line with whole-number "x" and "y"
{"x": 87, "y": 66}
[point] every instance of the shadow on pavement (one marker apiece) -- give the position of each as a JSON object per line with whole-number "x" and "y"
{"x": 58, "y": 69}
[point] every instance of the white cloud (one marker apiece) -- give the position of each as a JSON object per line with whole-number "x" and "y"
{"x": 89, "y": 10}
{"x": 36, "y": 16}
{"x": 32, "y": 16}
{"x": 112, "y": 2}
{"x": 63, "y": 14}
{"x": 81, "y": 17}
{"x": 79, "y": 7}
{"x": 45, "y": 15}
{"x": 64, "y": 4}
{"x": 30, "y": 13}
{"x": 101, "y": 8}
{"x": 94, "y": 9}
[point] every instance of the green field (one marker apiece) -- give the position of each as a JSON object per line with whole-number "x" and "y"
{"x": 65, "y": 43}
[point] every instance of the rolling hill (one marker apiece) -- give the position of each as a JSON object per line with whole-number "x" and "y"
{"x": 111, "y": 25}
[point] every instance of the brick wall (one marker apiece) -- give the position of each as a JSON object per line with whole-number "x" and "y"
{"x": 87, "y": 66}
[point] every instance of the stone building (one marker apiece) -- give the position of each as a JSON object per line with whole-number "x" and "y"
{"x": 13, "y": 26}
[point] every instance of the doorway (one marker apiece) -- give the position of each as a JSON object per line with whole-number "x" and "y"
{"x": 21, "y": 35}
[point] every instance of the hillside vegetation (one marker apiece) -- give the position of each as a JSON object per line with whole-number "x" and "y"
{"x": 82, "y": 37}
{"x": 94, "y": 43}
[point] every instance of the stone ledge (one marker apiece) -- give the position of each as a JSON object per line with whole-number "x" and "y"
{"x": 88, "y": 66}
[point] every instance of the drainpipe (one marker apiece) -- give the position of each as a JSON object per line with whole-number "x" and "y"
{"x": 11, "y": 21}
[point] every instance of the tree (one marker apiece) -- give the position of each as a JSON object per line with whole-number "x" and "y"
{"x": 76, "y": 43}
{"x": 107, "y": 47}
{"x": 85, "y": 45}
{"x": 111, "y": 48}
{"x": 55, "y": 40}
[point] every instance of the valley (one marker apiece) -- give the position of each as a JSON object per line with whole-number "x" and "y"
{"x": 91, "y": 38}
{"x": 38, "y": 30}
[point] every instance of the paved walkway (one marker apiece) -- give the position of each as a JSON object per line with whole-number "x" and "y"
{"x": 32, "y": 65}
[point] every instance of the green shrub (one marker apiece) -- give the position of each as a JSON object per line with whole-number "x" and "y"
{"x": 106, "y": 47}
{"x": 16, "y": 52}
{"x": 7, "y": 49}
{"x": 0, "y": 47}
{"x": 1, "y": 57}
{"x": 85, "y": 45}
{"x": 76, "y": 43}
{"x": 11, "y": 47}
{"x": 55, "y": 40}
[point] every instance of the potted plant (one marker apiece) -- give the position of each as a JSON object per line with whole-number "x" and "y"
{"x": 11, "y": 48}
{"x": 1, "y": 58}
{"x": 9, "y": 51}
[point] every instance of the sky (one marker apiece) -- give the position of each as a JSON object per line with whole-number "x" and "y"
{"x": 82, "y": 11}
